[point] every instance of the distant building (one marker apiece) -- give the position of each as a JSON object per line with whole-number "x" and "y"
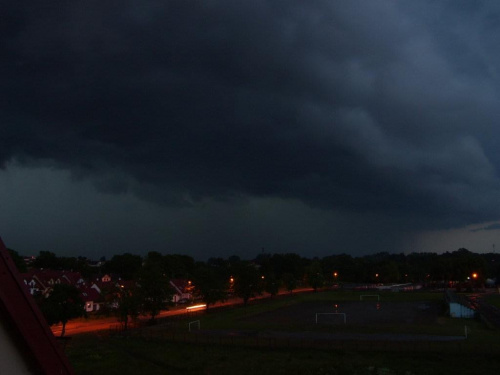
{"x": 91, "y": 297}
{"x": 459, "y": 306}
{"x": 42, "y": 281}
{"x": 183, "y": 289}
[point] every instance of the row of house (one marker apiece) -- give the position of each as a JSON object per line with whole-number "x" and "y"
{"x": 41, "y": 282}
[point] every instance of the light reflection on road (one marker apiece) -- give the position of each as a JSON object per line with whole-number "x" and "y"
{"x": 83, "y": 325}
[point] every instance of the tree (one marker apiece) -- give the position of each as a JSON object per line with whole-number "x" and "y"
{"x": 129, "y": 304}
{"x": 271, "y": 285}
{"x": 62, "y": 304}
{"x": 247, "y": 281}
{"x": 269, "y": 280}
{"x": 314, "y": 274}
{"x": 340, "y": 268}
{"x": 210, "y": 283}
{"x": 389, "y": 272}
{"x": 422, "y": 264}
{"x": 46, "y": 259}
{"x": 178, "y": 266}
{"x": 291, "y": 263}
{"x": 126, "y": 265}
{"x": 290, "y": 281}
{"x": 155, "y": 290}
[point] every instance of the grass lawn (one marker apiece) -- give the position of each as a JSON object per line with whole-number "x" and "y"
{"x": 92, "y": 354}
{"x": 494, "y": 299}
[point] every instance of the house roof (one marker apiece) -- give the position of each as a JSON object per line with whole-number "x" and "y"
{"x": 47, "y": 276}
{"x": 26, "y": 323}
{"x": 89, "y": 294}
{"x": 181, "y": 285}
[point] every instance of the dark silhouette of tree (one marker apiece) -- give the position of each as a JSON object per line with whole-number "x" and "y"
{"x": 62, "y": 304}
{"x": 388, "y": 272}
{"x": 47, "y": 260}
{"x": 154, "y": 287}
{"x": 126, "y": 265}
{"x": 314, "y": 275}
{"x": 289, "y": 281}
{"x": 289, "y": 263}
{"x": 210, "y": 283}
{"x": 341, "y": 268}
{"x": 420, "y": 265}
{"x": 492, "y": 266}
{"x": 271, "y": 284}
{"x": 128, "y": 301}
{"x": 178, "y": 266}
{"x": 247, "y": 281}
{"x": 233, "y": 260}
{"x": 268, "y": 276}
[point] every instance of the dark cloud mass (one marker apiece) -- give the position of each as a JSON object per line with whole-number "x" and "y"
{"x": 388, "y": 108}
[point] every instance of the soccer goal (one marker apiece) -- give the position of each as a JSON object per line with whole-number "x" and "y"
{"x": 195, "y": 323}
{"x": 342, "y": 314}
{"x": 364, "y": 296}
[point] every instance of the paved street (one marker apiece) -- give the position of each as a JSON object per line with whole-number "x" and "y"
{"x": 82, "y": 325}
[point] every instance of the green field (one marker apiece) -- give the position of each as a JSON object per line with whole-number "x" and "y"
{"x": 169, "y": 349}
{"x": 494, "y": 299}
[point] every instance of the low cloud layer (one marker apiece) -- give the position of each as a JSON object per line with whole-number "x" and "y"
{"x": 380, "y": 108}
{"x": 493, "y": 226}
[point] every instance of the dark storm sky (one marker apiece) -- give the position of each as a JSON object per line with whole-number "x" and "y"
{"x": 214, "y": 128}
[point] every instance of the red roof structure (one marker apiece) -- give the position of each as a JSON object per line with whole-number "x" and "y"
{"x": 44, "y": 279}
{"x": 26, "y": 325}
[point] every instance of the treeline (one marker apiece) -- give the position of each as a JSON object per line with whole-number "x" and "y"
{"x": 292, "y": 270}
{"x": 146, "y": 288}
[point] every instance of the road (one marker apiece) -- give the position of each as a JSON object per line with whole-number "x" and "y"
{"x": 83, "y": 325}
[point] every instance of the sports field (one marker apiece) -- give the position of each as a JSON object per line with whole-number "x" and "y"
{"x": 394, "y": 320}
{"x": 281, "y": 336}
{"x": 356, "y": 313}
